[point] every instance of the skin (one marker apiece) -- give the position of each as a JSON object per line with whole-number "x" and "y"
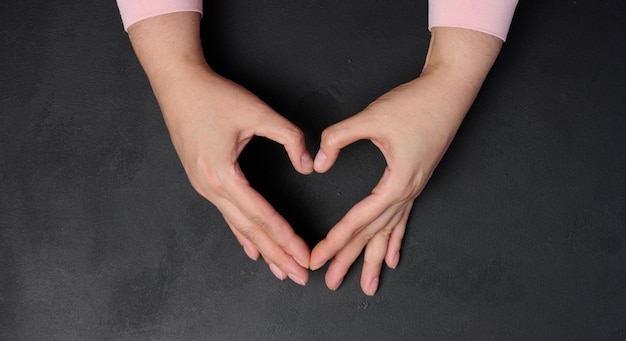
{"x": 211, "y": 119}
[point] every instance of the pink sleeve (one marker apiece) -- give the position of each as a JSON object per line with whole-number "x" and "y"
{"x": 133, "y": 11}
{"x": 487, "y": 16}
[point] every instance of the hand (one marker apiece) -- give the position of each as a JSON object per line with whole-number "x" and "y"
{"x": 412, "y": 125}
{"x": 210, "y": 120}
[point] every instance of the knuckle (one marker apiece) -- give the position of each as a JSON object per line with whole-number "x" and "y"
{"x": 260, "y": 222}
{"x": 356, "y": 228}
{"x": 342, "y": 262}
{"x": 215, "y": 180}
{"x": 294, "y": 133}
{"x": 329, "y": 137}
{"x": 385, "y": 232}
{"x": 210, "y": 182}
{"x": 373, "y": 261}
{"x": 251, "y": 235}
{"x": 264, "y": 222}
{"x": 366, "y": 236}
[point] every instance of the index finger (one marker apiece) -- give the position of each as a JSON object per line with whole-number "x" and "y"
{"x": 360, "y": 216}
{"x": 263, "y": 216}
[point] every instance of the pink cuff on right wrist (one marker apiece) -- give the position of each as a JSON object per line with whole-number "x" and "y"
{"x": 133, "y": 11}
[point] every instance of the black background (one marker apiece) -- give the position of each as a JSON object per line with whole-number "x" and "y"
{"x": 519, "y": 235}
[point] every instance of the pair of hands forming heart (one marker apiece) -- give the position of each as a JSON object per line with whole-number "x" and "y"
{"x": 211, "y": 119}
{"x": 219, "y": 118}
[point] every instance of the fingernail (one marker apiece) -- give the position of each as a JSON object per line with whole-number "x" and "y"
{"x": 249, "y": 252}
{"x": 337, "y": 285}
{"x": 277, "y": 272}
{"x": 302, "y": 264}
{"x": 296, "y": 279}
{"x": 373, "y": 287}
{"x": 320, "y": 159}
{"x": 307, "y": 162}
{"x": 317, "y": 266}
{"x": 396, "y": 260}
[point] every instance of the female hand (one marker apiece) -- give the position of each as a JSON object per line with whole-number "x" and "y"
{"x": 412, "y": 125}
{"x": 210, "y": 120}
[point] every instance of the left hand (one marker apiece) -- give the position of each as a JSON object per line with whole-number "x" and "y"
{"x": 412, "y": 125}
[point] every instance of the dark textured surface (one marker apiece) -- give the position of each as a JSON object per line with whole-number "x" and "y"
{"x": 520, "y": 235}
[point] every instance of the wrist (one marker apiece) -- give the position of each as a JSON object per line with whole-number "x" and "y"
{"x": 458, "y": 61}
{"x": 463, "y": 56}
{"x": 168, "y": 44}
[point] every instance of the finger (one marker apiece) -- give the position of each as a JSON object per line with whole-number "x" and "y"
{"x": 277, "y": 128}
{"x": 392, "y": 257}
{"x": 248, "y": 247}
{"x": 336, "y": 137}
{"x": 375, "y": 252}
{"x": 264, "y": 217}
{"x": 348, "y": 254}
{"x": 360, "y": 216}
{"x": 281, "y": 263}
{"x": 373, "y": 261}
{"x": 342, "y": 262}
{"x": 345, "y": 257}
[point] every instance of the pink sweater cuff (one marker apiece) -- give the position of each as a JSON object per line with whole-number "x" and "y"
{"x": 487, "y": 16}
{"x": 133, "y": 11}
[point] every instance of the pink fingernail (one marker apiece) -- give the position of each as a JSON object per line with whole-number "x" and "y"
{"x": 296, "y": 279}
{"x": 320, "y": 159}
{"x": 396, "y": 260}
{"x": 338, "y": 284}
{"x": 307, "y": 162}
{"x": 250, "y": 254}
{"x": 373, "y": 287}
{"x": 302, "y": 264}
{"x": 317, "y": 266}
{"x": 277, "y": 272}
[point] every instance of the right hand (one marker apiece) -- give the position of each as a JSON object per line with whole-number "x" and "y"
{"x": 211, "y": 119}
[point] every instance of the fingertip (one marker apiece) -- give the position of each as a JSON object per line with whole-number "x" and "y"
{"x": 372, "y": 287}
{"x": 317, "y": 266}
{"x": 251, "y": 253}
{"x": 320, "y": 162}
{"x": 296, "y": 279}
{"x": 393, "y": 259}
{"x": 301, "y": 262}
{"x": 277, "y": 271}
{"x": 307, "y": 163}
{"x": 317, "y": 261}
{"x": 334, "y": 284}
{"x": 369, "y": 282}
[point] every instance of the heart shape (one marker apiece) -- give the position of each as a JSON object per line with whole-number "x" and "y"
{"x": 313, "y": 203}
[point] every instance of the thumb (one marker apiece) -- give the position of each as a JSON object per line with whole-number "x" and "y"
{"x": 336, "y": 137}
